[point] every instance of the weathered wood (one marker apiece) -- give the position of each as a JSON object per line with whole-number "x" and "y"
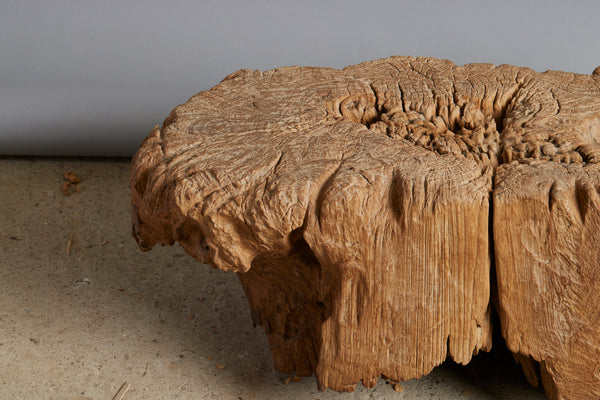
{"x": 356, "y": 207}
{"x": 547, "y": 248}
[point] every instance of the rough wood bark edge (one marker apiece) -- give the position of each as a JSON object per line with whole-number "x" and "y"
{"x": 355, "y": 206}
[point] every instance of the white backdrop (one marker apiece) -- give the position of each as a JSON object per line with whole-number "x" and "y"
{"x": 81, "y": 77}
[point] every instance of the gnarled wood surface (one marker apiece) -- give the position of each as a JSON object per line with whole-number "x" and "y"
{"x": 364, "y": 210}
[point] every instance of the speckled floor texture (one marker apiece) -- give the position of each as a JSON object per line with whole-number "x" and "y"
{"x": 84, "y": 314}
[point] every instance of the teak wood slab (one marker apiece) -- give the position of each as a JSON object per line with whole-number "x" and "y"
{"x": 376, "y": 214}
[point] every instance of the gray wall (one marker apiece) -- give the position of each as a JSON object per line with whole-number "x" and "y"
{"x": 82, "y": 77}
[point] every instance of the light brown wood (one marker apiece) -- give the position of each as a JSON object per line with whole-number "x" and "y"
{"x": 366, "y": 209}
{"x": 547, "y": 248}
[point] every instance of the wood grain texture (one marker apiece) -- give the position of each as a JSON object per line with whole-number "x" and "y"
{"x": 547, "y": 235}
{"x": 364, "y": 210}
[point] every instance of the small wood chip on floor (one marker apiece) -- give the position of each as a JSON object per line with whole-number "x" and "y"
{"x": 220, "y": 366}
{"x": 69, "y": 245}
{"x": 122, "y": 392}
{"x": 398, "y": 387}
{"x": 71, "y": 178}
{"x": 292, "y": 378}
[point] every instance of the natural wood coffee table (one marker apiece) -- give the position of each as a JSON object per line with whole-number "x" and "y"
{"x": 376, "y": 215}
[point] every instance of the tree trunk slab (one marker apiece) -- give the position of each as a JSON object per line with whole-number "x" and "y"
{"x": 373, "y": 213}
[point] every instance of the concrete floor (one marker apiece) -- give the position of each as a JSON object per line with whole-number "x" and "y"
{"x": 80, "y": 325}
